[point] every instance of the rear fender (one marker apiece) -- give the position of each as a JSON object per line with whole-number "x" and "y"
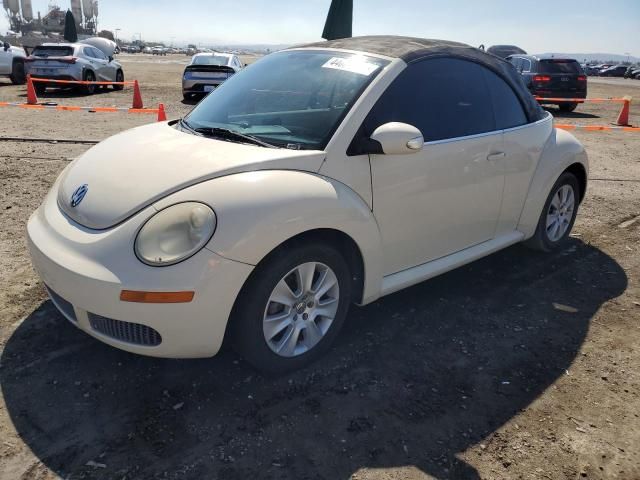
{"x": 560, "y": 152}
{"x": 258, "y": 211}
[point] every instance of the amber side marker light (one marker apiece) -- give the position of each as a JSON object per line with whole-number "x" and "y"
{"x": 156, "y": 297}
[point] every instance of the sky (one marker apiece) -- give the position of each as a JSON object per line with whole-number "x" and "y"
{"x": 585, "y": 26}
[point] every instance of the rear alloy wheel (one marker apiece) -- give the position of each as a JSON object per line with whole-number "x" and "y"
{"x": 292, "y": 308}
{"x": 567, "y": 107}
{"x": 558, "y": 215}
{"x": 119, "y": 78}
{"x": 18, "y": 76}
{"x": 89, "y": 77}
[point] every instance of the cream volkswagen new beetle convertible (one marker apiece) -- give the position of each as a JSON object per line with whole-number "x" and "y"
{"x": 322, "y": 175}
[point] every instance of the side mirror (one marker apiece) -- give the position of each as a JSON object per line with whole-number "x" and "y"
{"x": 110, "y": 58}
{"x": 398, "y": 138}
{"x": 6, "y": 46}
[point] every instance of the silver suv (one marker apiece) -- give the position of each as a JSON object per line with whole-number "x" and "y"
{"x": 12, "y": 63}
{"x": 72, "y": 61}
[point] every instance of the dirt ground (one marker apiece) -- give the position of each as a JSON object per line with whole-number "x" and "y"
{"x": 518, "y": 366}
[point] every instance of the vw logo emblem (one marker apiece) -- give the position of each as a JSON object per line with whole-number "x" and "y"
{"x": 79, "y": 194}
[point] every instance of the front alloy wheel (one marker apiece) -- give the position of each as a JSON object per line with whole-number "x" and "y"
{"x": 292, "y": 307}
{"x": 301, "y": 309}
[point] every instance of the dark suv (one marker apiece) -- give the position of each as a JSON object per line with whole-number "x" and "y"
{"x": 552, "y": 78}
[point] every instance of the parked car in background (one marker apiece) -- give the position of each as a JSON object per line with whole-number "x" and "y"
{"x": 630, "y": 72}
{"x": 207, "y": 71}
{"x": 615, "y": 71}
{"x": 72, "y": 61}
{"x": 601, "y": 67}
{"x": 590, "y": 70}
{"x": 552, "y": 78}
{"x": 323, "y": 175}
{"x": 158, "y": 51}
{"x": 12, "y": 63}
{"x": 504, "y": 51}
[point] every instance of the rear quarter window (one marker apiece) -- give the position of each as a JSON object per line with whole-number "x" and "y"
{"x": 507, "y": 108}
{"x": 560, "y": 66}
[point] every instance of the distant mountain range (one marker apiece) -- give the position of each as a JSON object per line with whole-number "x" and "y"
{"x": 593, "y": 57}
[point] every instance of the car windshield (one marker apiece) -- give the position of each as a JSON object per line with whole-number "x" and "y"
{"x": 560, "y": 66}
{"x": 52, "y": 51}
{"x": 294, "y": 99}
{"x": 210, "y": 60}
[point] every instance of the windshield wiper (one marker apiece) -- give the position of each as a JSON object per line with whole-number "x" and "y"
{"x": 231, "y": 135}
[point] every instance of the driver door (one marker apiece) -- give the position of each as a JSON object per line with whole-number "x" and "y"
{"x": 446, "y": 197}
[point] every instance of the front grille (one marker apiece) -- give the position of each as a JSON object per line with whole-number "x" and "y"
{"x": 61, "y": 304}
{"x": 133, "y": 333}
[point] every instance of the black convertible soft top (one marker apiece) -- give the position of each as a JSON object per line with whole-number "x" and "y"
{"x": 412, "y": 49}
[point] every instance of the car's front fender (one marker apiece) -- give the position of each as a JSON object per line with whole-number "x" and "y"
{"x": 258, "y": 211}
{"x": 561, "y": 151}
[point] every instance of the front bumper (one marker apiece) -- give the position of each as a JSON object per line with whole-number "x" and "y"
{"x": 86, "y": 270}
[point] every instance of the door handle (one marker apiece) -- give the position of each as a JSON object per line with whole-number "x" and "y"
{"x": 496, "y": 156}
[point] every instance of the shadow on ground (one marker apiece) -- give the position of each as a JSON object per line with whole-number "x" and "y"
{"x": 73, "y": 92}
{"x": 415, "y": 379}
{"x": 557, "y": 113}
{"x": 193, "y": 99}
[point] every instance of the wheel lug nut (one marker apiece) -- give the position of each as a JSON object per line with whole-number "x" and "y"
{"x": 310, "y": 304}
{"x": 305, "y": 316}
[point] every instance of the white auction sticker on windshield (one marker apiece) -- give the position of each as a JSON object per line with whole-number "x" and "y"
{"x": 354, "y": 65}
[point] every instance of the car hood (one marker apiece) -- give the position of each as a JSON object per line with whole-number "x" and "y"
{"x": 131, "y": 170}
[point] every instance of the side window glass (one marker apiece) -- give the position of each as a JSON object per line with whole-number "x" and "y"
{"x": 506, "y": 106}
{"x": 526, "y": 65}
{"x": 519, "y": 64}
{"x": 444, "y": 98}
{"x": 88, "y": 51}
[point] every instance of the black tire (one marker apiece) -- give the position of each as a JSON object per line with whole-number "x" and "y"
{"x": 246, "y": 328}
{"x": 540, "y": 240}
{"x": 186, "y": 96}
{"x": 119, "y": 78}
{"x": 567, "y": 107}
{"x": 18, "y": 77}
{"x": 89, "y": 76}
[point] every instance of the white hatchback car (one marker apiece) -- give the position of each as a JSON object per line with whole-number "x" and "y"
{"x": 207, "y": 71}
{"x": 322, "y": 175}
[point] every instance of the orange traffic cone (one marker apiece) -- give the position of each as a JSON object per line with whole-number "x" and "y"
{"x": 162, "y": 116}
{"x": 137, "y": 98}
{"x": 32, "y": 98}
{"x": 623, "y": 117}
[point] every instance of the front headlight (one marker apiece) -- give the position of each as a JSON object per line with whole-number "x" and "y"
{"x": 175, "y": 234}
